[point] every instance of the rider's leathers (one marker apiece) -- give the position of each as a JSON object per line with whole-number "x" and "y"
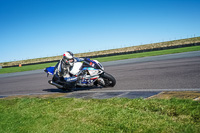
{"x": 63, "y": 70}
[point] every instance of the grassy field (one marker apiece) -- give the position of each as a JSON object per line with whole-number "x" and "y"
{"x": 145, "y": 54}
{"x": 56, "y": 115}
{"x": 26, "y": 68}
{"x": 104, "y": 59}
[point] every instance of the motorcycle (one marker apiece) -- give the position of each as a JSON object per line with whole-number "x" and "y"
{"x": 89, "y": 73}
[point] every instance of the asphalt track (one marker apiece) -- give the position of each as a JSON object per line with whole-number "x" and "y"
{"x": 141, "y": 77}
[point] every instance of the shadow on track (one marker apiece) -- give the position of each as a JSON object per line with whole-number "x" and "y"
{"x": 75, "y": 89}
{"x": 55, "y": 90}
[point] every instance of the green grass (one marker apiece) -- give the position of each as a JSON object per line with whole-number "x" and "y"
{"x": 26, "y": 68}
{"x": 152, "y": 53}
{"x": 104, "y": 59}
{"x": 55, "y": 115}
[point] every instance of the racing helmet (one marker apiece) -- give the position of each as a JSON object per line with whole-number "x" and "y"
{"x": 68, "y": 58}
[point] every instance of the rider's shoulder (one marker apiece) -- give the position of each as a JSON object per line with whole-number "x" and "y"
{"x": 77, "y": 59}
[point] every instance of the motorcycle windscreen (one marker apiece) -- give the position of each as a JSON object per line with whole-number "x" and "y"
{"x": 50, "y": 70}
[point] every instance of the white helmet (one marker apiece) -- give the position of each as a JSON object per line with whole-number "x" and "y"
{"x": 68, "y": 58}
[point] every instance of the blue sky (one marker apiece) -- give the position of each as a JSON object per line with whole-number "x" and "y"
{"x": 41, "y": 28}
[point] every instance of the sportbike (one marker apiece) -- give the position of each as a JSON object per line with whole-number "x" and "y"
{"x": 88, "y": 73}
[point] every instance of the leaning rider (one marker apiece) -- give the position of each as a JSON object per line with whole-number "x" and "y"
{"x": 65, "y": 65}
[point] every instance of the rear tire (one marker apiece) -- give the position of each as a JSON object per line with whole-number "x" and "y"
{"x": 108, "y": 79}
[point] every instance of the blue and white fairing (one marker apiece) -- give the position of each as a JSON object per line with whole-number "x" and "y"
{"x": 88, "y": 68}
{"x": 88, "y": 79}
{"x": 50, "y": 70}
{"x": 99, "y": 64}
{"x": 95, "y": 64}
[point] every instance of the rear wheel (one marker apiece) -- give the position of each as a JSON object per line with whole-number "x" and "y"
{"x": 108, "y": 79}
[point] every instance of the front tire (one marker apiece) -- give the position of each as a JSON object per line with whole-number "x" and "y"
{"x": 108, "y": 79}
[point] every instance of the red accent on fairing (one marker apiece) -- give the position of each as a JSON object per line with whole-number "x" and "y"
{"x": 93, "y": 78}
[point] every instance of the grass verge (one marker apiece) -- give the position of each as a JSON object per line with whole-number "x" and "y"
{"x": 195, "y": 95}
{"x": 153, "y": 53}
{"x": 94, "y": 115}
{"x": 104, "y": 59}
{"x": 26, "y": 68}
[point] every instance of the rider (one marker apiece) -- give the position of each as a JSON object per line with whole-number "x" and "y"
{"x": 65, "y": 65}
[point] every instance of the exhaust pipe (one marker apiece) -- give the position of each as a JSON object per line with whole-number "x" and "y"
{"x": 55, "y": 84}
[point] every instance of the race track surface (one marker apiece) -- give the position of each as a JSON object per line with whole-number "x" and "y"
{"x": 158, "y": 73}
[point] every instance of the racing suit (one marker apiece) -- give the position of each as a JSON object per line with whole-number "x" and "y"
{"x": 63, "y": 70}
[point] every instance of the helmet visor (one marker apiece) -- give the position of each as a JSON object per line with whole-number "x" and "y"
{"x": 71, "y": 60}
{"x": 67, "y": 61}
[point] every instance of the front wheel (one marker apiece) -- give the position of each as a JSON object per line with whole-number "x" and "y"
{"x": 108, "y": 79}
